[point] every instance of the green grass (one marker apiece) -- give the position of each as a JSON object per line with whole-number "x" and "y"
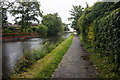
{"x": 45, "y": 67}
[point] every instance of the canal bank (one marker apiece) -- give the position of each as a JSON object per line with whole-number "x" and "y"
{"x": 44, "y": 67}
{"x": 12, "y": 51}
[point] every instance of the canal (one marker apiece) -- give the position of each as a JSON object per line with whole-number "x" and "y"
{"x": 12, "y": 51}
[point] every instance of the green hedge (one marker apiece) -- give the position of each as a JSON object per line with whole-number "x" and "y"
{"x": 100, "y": 29}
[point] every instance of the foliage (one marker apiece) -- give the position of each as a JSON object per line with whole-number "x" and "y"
{"x": 34, "y": 28}
{"x": 4, "y": 8}
{"x": 107, "y": 69}
{"x": 11, "y": 30}
{"x": 53, "y": 22}
{"x": 28, "y": 11}
{"x": 42, "y": 30}
{"x": 108, "y": 36}
{"x": 30, "y": 57}
{"x": 99, "y": 28}
{"x": 91, "y": 35}
{"x": 66, "y": 28}
{"x": 76, "y": 13}
{"x": 44, "y": 67}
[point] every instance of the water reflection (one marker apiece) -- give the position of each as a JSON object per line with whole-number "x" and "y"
{"x": 12, "y": 51}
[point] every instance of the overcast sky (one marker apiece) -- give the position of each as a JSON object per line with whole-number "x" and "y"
{"x": 61, "y": 7}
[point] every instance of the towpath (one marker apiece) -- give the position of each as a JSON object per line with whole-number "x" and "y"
{"x": 76, "y": 63}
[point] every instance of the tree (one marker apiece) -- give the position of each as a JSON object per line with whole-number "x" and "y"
{"x": 4, "y": 6}
{"x": 76, "y": 13}
{"x": 27, "y": 11}
{"x": 42, "y": 30}
{"x": 66, "y": 27}
{"x": 53, "y": 22}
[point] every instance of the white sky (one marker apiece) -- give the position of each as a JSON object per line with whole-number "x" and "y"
{"x": 61, "y": 7}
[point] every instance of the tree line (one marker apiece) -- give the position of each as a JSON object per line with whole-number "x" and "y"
{"x": 99, "y": 29}
{"x": 26, "y": 13}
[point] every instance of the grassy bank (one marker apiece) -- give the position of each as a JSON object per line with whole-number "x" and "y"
{"x": 44, "y": 67}
{"x": 103, "y": 63}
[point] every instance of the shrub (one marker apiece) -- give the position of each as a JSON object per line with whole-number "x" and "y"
{"x": 99, "y": 26}
{"x": 42, "y": 30}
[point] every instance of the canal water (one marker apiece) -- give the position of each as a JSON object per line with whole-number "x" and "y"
{"x": 12, "y": 51}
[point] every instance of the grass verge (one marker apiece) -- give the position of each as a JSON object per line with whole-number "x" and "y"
{"x": 44, "y": 67}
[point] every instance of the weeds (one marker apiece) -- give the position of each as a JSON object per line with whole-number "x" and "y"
{"x": 44, "y": 68}
{"x": 29, "y": 58}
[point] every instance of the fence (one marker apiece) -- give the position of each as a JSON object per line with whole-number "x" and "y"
{"x": 17, "y": 36}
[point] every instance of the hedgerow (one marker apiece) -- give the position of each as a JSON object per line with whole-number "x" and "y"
{"x": 100, "y": 28}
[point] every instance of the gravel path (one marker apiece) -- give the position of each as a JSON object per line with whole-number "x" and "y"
{"x": 75, "y": 63}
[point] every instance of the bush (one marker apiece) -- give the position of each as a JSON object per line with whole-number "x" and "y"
{"x": 99, "y": 26}
{"x": 42, "y": 30}
{"x": 107, "y": 37}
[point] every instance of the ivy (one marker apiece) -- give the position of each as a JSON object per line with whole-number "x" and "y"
{"x": 100, "y": 28}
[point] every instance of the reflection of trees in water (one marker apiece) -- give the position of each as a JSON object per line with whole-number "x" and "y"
{"x": 20, "y": 48}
